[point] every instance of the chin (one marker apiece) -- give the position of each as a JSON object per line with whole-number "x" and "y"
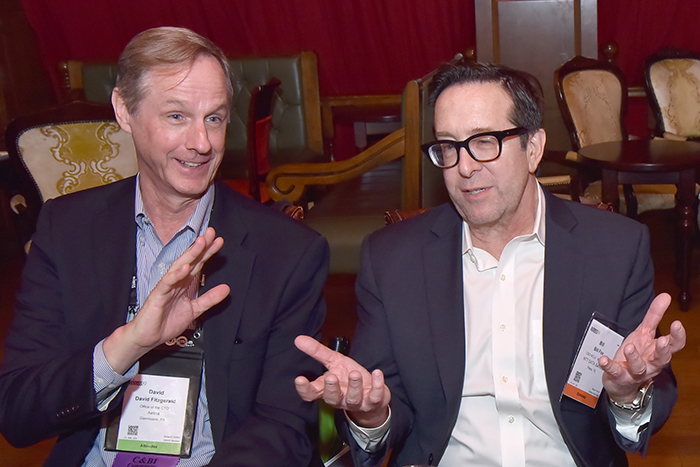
{"x": 194, "y": 190}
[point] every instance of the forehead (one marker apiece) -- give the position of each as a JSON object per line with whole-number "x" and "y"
{"x": 479, "y": 106}
{"x": 203, "y": 75}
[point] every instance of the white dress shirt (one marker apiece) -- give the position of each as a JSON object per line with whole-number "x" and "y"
{"x": 505, "y": 416}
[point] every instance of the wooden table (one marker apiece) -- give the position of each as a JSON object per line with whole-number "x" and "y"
{"x": 651, "y": 162}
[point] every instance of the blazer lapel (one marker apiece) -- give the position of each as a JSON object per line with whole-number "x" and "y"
{"x": 114, "y": 255}
{"x": 564, "y": 270}
{"x": 442, "y": 262}
{"x": 232, "y": 265}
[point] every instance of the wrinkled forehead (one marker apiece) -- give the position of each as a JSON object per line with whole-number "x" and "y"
{"x": 166, "y": 77}
{"x": 474, "y": 103}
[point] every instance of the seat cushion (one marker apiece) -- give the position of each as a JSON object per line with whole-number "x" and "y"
{"x": 349, "y": 211}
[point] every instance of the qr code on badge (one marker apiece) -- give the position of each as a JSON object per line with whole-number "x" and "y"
{"x": 577, "y": 378}
{"x": 132, "y": 430}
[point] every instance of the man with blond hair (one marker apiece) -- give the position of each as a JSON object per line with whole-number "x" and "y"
{"x": 140, "y": 336}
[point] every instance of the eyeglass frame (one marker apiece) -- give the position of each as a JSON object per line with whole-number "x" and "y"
{"x": 499, "y": 135}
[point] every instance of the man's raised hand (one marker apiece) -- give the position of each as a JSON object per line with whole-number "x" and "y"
{"x": 346, "y": 386}
{"x": 642, "y": 355}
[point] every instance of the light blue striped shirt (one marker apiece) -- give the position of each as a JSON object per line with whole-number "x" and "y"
{"x": 152, "y": 262}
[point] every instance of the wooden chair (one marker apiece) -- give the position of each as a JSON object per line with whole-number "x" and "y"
{"x": 259, "y": 123}
{"x": 592, "y": 98}
{"x": 64, "y": 149}
{"x": 391, "y": 174}
{"x": 672, "y": 82}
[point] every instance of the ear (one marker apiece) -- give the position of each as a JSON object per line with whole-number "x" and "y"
{"x": 535, "y": 149}
{"x": 121, "y": 111}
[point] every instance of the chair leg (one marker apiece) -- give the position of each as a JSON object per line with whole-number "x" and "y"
{"x": 631, "y": 200}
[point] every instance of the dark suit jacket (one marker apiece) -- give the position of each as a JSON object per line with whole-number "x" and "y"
{"x": 74, "y": 293}
{"x": 411, "y": 324}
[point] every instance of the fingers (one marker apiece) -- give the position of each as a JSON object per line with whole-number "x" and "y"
{"x": 306, "y": 390}
{"x": 677, "y": 336}
{"x": 332, "y": 392}
{"x": 609, "y": 366}
{"x": 656, "y": 312}
{"x": 636, "y": 365}
{"x": 315, "y": 350}
{"x": 212, "y": 297}
{"x": 376, "y": 393}
{"x": 203, "y": 248}
{"x": 355, "y": 394}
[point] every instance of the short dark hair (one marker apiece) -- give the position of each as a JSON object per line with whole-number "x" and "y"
{"x": 163, "y": 47}
{"x": 522, "y": 87}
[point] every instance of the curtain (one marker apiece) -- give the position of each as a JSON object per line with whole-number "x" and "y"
{"x": 363, "y": 46}
{"x": 641, "y": 27}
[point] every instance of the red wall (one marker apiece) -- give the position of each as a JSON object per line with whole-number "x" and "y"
{"x": 363, "y": 46}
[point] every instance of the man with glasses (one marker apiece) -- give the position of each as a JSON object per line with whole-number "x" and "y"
{"x": 471, "y": 315}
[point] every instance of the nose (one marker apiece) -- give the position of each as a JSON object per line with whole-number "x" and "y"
{"x": 466, "y": 165}
{"x": 198, "y": 138}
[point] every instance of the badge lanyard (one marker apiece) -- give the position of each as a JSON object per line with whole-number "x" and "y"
{"x": 160, "y": 403}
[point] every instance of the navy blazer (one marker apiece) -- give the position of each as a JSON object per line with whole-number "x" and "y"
{"x": 411, "y": 324}
{"x": 74, "y": 293}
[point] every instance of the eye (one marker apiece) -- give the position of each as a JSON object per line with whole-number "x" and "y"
{"x": 175, "y": 117}
{"x": 485, "y": 141}
{"x": 217, "y": 119}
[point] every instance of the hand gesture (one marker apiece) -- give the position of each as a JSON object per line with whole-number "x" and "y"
{"x": 167, "y": 311}
{"x": 642, "y": 355}
{"x": 347, "y": 385}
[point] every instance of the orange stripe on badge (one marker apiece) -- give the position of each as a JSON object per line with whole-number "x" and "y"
{"x": 582, "y": 396}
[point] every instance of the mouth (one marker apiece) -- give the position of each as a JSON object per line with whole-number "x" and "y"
{"x": 191, "y": 165}
{"x": 475, "y": 191}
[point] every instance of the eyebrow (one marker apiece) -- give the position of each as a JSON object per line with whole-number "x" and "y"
{"x": 475, "y": 131}
{"x": 179, "y": 103}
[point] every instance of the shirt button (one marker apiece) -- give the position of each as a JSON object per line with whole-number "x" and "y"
{"x": 504, "y": 379}
{"x": 502, "y": 327}
{"x": 503, "y": 277}
{"x": 161, "y": 266}
{"x": 511, "y": 419}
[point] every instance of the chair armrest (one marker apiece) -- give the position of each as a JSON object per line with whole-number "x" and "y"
{"x": 289, "y": 181}
{"x": 397, "y": 215}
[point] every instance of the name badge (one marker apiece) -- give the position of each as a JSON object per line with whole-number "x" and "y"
{"x": 160, "y": 404}
{"x": 153, "y": 414}
{"x": 585, "y": 381}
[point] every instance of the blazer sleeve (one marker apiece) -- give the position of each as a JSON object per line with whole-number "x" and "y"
{"x": 639, "y": 293}
{"x": 282, "y": 427}
{"x": 376, "y": 352}
{"x": 46, "y": 384}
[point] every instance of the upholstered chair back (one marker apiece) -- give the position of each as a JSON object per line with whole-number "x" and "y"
{"x": 63, "y": 150}
{"x": 594, "y": 99}
{"x": 70, "y": 148}
{"x": 673, "y": 86}
{"x": 71, "y": 156}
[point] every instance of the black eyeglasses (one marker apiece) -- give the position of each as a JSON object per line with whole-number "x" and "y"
{"x": 482, "y": 147}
